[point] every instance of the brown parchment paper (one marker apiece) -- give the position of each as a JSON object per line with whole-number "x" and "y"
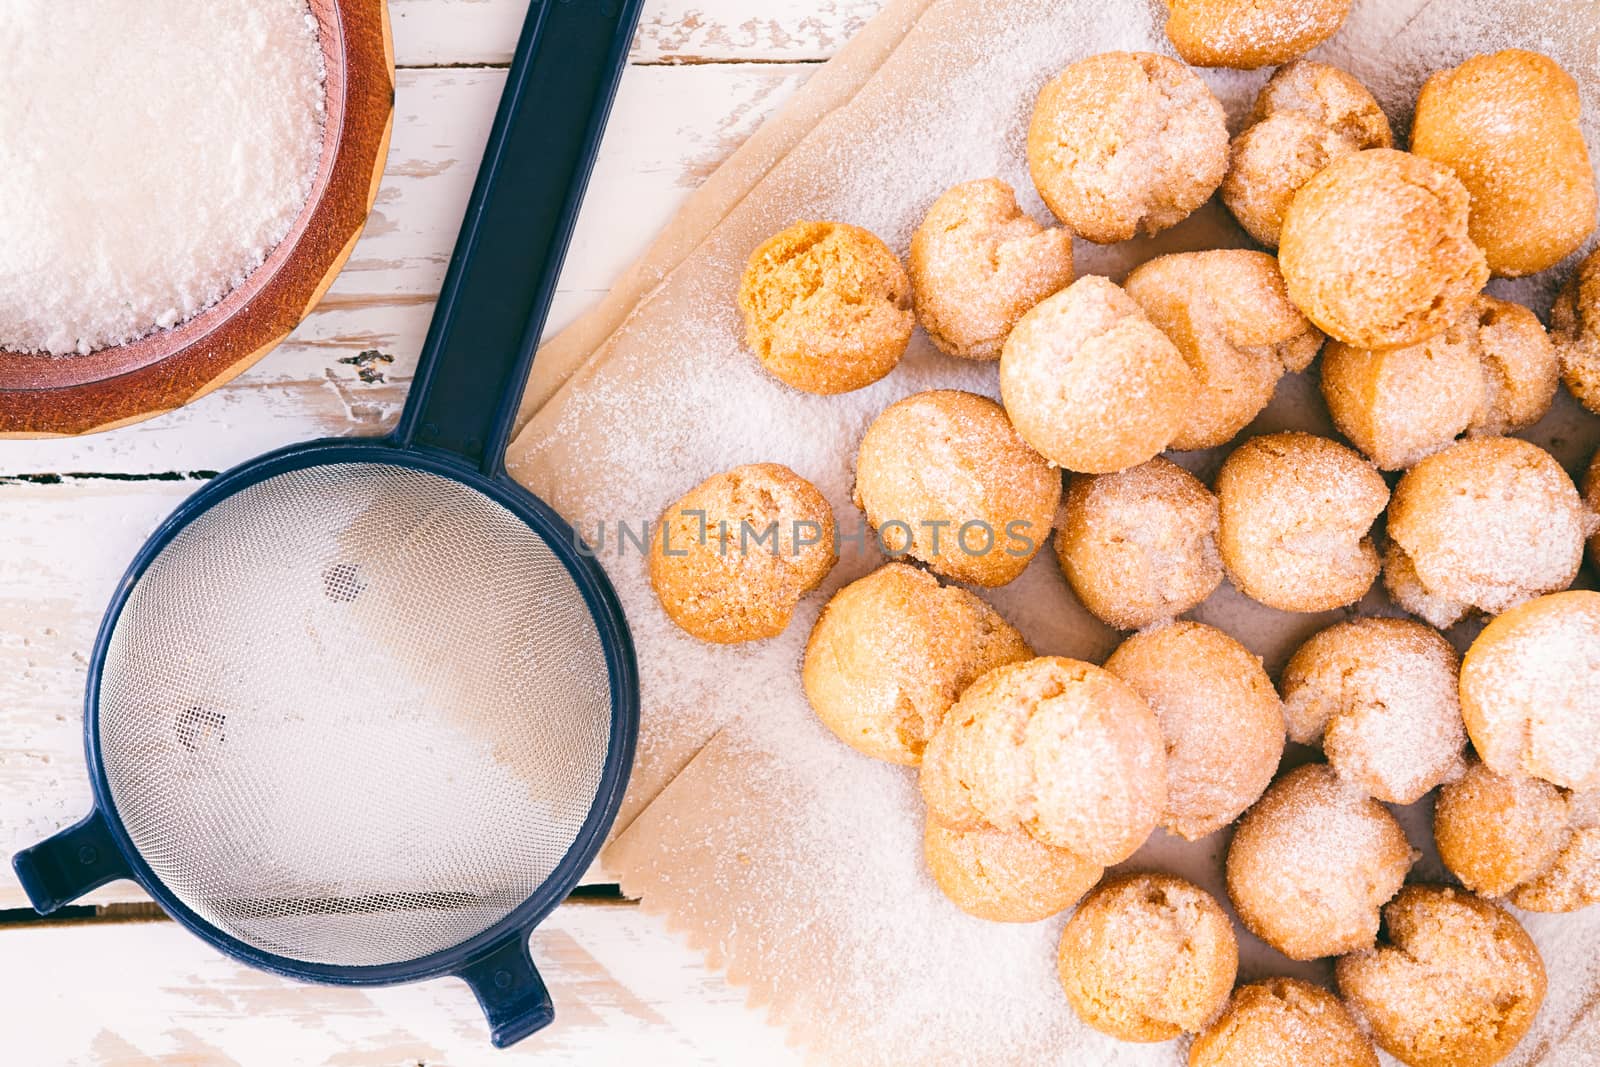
{"x": 790, "y": 860}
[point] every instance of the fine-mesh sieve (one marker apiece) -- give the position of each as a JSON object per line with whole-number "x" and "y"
{"x": 363, "y": 712}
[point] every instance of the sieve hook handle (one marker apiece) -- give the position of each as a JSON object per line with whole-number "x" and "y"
{"x": 60, "y": 869}
{"x": 510, "y": 991}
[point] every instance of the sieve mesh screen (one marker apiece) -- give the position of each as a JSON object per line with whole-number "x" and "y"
{"x": 354, "y": 714}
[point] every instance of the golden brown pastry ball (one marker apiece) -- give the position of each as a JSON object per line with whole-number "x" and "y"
{"x": 1507, "y": 125}
{"x": 1295, "y": 515}
{"x": 1456, "y": 983}
{"x": 1139, "y": 546}
{"x": 1220, "y": 716}
{"x": 892, "y": 651}
{"x": 1381, "y": 695}
{"x": 1312, "y": 862}
{"x": 1059, "y": 748}
{"x": 1375, "y": 250}
{"x": 978, "y": 263}
{"x": 1244, "y": 36}
{"x": 1486, "y": 524}
{"x": 1492, "y": 371}
{"x": 944, "y": 478}
{"x": 1282, "y": 1022}
{"x": 715, "y": 566}
{"x": 1575, "y": 328}
{"x": 1091, "y": 383}
{"x": 827, "y": 307}
{"x": 1591, "y": 497}
{"x": 1229, "y": 315}
{"x": 1005, "y": 876}
{"x": 1124, "y": 143}
{"x": 1530, "y": 690}
{"x": 1147, "y": 957}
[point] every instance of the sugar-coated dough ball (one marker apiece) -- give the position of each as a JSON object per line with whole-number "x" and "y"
{"x": 1381, "y": 695}
{"x": 1591, "y": 497}
{"x": 735, "y": 554}
{"x": 1220, "y": 716}
{"x": 1244, "y": 36}
{"x": 1230, "y": 316}
{"x": 827, "y": 307}
{"x": 1283, "y": 1022}
{"x": 1375, "y": 250}
{"x": 892, "y": 651}
{"x": 1312, "y": 862}
{"x": 1530, "y": 690}
{"x": 1147, "y": 957}
{"x": 1507, "y": 124}
{"x": 1005, "y": 876}
{"x": 1572, "y": 880}
{"x": 1492, "y": 371}
{"x": 1091, "y": 382}
{"x": 978, "y": 263}
{"x": 1139, "y": 546}
{"x": 1456, "y": 983}
{"x": 1124, "y": 143}
{"x": 1575, "y": 328}
{"x": 944, "y": 478}
{"x": 1059, "y": 748}
{"x": 1484, "y": 525}
{"x": 1295, "y": 515}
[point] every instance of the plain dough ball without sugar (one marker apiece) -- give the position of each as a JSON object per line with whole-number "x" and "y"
{"x": 1219, "y": 713}
{"x": 1575, "y": 328}
{"x": 944, "y": 478}
{"x": 1005, "y": 875}
{"x": 1295, "y": 515}
{"x": 1229, "y": 315}
{"x": 1312, "y": 863}
{"x": 1124, "y": 143}
{"x": 1139, "y": 546}
{"x": 827, "y": 307}
{"x": 715, "y": 565}
{"x": 1283, "y": 1022}
{"x": 1091, "y": 383}
{"x": 978, "y": 263}
{"x": 1244, "y": 36}
{"x": 1375, "y": 250}
{"x": 892, "y": 651}
{"x": 1381, "y": 695}
{"x": 1457, "y": 982}
{"x": 1147, "y": 957}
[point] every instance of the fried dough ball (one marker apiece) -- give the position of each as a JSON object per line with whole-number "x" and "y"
{"x": 1374, "y": 249}
{"x": 1575, "y": 328}
{"x": 1457, "y": 983}
{"x": 1244, "y": 36}
{"x": 1230, "y": 316}
{"x": 715, "y": 566}
{"x": 1279, "y": 1022}
{"x": 1140, "y": 546}
{"x": 1530, "y": 690}
{"x": 1220, "y": 716}
{"x": 1295, "y": 513}
{"x": 978, "y": 263}
{"x": 1312, "y": 862}
{"x": 1059, "y": 748}
{"x": 1147, "y": 957}
{"x": 1381, "y": 695}
{"x": 944, "y": 478}
{"x": 1124, "y": 143}
{"x": 1005, "y": 876}
{"x": 1508, "y": 125}
{"x": 892, "y": 651}
{"x": 1091, "y": 383}
{"x": 1591, "y": 497}
{"x": 1308, "y": 115}
{"x": 1491, "y": 372}
{"x": 1484, "y": 525}
{"x": 827, "y": 307}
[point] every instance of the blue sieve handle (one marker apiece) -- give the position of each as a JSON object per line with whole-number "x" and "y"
{"x": 60, "y": 869}
{"x": 510, "y": 991}
{"x": 503, "y": 271}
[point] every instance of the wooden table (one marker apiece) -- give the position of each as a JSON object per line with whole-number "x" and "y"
{"x": 114, "y": 984}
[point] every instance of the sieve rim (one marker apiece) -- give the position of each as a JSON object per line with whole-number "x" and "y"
{"x": 616, "y": 643}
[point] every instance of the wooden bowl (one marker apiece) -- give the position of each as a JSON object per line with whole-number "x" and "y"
{"x": 50, "y": 396}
